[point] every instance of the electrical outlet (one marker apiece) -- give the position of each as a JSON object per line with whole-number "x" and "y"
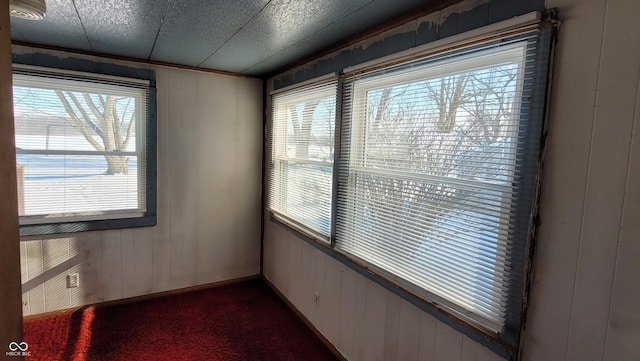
{"x": 73, "y": 280}
{"x": 317, "y": 299}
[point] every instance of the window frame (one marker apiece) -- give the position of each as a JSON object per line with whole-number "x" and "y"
{"x": 279, "y": 159}
{"x": 507, "y": 343}
{"x": 358, "y": 154}
{"x": 146, "y": 150}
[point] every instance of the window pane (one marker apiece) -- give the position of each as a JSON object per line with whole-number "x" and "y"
{"x": 309, "y": 194}
{"x": 426, "y": 193}
{"x": 58, "y": 184}
{"x": 310, "y": 129}
{"x": 80, "y": 155}
{"x": 302, "y": 143}
{"x": 53, "y": 119}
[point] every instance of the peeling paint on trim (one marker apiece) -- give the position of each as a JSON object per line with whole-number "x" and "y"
{"x": 433, "y": 22}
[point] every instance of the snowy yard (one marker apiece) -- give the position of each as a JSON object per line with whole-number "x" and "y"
{"x": 59, "y": 184}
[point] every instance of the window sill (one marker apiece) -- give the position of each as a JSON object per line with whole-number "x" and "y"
{"x": 300, "y": 229}
{"x": 85, "y": 226}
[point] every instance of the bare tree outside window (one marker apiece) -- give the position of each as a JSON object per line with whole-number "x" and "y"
{"x": 435, "y": 131}
{"x": 304, "y": 157}
{"x": 110, "y": 118}
{"x": 82, "y": 146}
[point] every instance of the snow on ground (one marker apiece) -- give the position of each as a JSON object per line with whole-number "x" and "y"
{"x": 59, "y": 184}
{"x": 80, "y": 194}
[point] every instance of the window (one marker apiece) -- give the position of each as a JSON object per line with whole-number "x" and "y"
{"x": 437, "y": 176}
{"x": 302, "y": 143}
{"x": 436, "y": 173}
{"x": 82, "y": 151}
{"x": 429, "y": 183}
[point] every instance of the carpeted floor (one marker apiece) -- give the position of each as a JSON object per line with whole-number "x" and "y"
{"x": 244, "y": 321}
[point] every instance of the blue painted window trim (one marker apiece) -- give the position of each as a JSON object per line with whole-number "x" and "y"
{"x": 73, "y": 64}
{"x": 507, "y": 344}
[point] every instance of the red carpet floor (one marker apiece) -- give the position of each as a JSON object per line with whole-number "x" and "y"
{"x": 244, "y": 321}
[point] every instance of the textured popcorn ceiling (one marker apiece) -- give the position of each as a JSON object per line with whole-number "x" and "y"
{"x": 246, "y": 36}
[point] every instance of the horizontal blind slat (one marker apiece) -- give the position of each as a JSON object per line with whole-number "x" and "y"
{"x": 81, "y": 141}
{"x": 428, "y": 178}
{"x": 301, "y": 144}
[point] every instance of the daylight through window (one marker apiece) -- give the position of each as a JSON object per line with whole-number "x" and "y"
{"x": 302, "y": 143}
{"x": 435, "y": 173}
{"x": 80, "y": 147}
{"x": 427, "y": 191}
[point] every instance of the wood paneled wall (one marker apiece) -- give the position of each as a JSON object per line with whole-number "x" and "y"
{"x": 586, "y": 293}
{"x": 363, "y": 320}
{"x": 585, "y": 297}
{"x": 209, "y": 197}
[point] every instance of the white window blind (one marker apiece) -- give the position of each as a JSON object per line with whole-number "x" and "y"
{"x": 432, "y": 173}
{"x": 80, "y": 144}
{"x": 301, "y": 165}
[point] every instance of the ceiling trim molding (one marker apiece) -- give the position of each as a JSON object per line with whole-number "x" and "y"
{"x": 126, "y": 58}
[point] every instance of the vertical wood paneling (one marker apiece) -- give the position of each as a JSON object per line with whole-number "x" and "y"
{"x": 248, "y": 160}
{"x": 317, "y": 285}
{"x": 564, "y": 178}
{"x": 624, "y": 315}
{"x": 162, "y": 240}
{"x": 610, "y": 144}
{"x": 143, "y": 253}
{"x": 346, "y": 340}
{"x": 35, "y": 270}
{"x": 111, "y": 261}
{"x": 306, "y": 298}
{"x": 162, "y": 257}
{"x": 370, "y": 323}
{"x": 359, "y": 317}
{"x": 24, "y": 275}
{"x": 373, "y": 328}
{"x": 217, "y": 155}
{"x": 208, "y": 203}
{"x": 207, "y": 211}
{"x": 293, "y": 280}
{"x": 127, "y": 246}
{"x": 408, "y": 332}
{"x": 55, "y": 253}
{"x": 91, "y": 287}
{"x": 287, "y": 252}
{"x": 188, "y": 166}
{"x": 448, "y": 343}
{"x": 473, "y": 351}
{"x": 392, "y": 327}
{"x": 173, "y": 164}
{"x": 330, "y": 299}
{"x": 427, "y": 346}
{"x": 226, "y": 182}
{"x": 78, "y": 263}
{"x": 271, "y": 256}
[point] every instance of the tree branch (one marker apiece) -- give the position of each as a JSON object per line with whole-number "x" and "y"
{"x": 92, "y": 106}
{"x": 132, "y": 121}
{"x": 85, "y": 115}
{"x": 80, "y": 125}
